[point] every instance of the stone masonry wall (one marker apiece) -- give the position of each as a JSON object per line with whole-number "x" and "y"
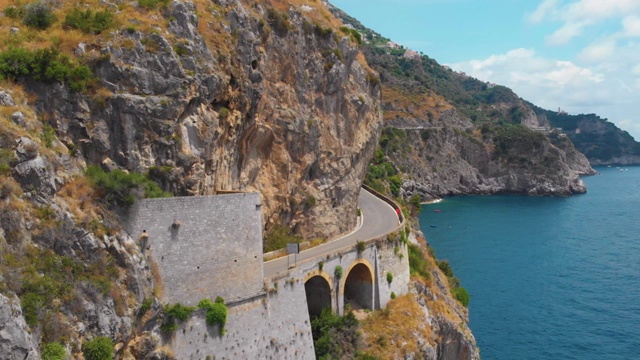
{"x": 383, "y": 258}
{"x": 274, "y": 326}
{"x": 393, "y": 257}
{"x": 204, "y": 246}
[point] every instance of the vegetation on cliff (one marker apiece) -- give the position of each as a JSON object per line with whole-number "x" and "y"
{"x": 459, "y": 135}
{"x": 601, "y": 141}
{"x": 103, "y": 104}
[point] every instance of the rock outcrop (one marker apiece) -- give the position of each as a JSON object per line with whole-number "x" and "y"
{"x": 231, "y": 96}
{"x": 276, "y": 108}
{"x": 456, "y": 161}
{"x": 601, "y": 141}
{"x": 455, "y": 134}
{"x": 16, "y": 342}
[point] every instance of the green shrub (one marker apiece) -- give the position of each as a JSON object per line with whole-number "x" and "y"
{"x": 172, "y": 313}
{"x": 14, "y": 12}
{"x": 445, "y": 267}
{"x": 89, "y": 22}
{"x": 461, "y": 294}
{"x": 117, "y": 187}
{"x": 47, "y": 65}
{"x": 403, "y": 237}
{"x": 320, "y": 265}
{"x": 178, "y": 311}
{"x": 323, "y": 32}
{"x": 360, "y": 246}
{"x": 338, "y": 272}
{"x": 393, "y": 295}
{"x": 6, "y": 157}
{"x": 31, "y": 303}
{"x": 279, "y": 21}
{"x": 38, "y": 16}
{"x": 205, "y": 304}
{"x": 181, "y": 50}
{"x": 145, "y": 306}
{"x": 355, "y": 34}
{"x": 100, "y": 348}
{"x": 334, "y": 337}
{"x": 54, "y": 351}
{"x": 46, "y": 276}
{"x": 223, "y": 113}
{"x": 310, "y": 201}
{"x": 418, "y": 265}
{"x": 47, "y": 135}
{"x": 152, "y": 4}
{"x": 217, "y": 315}
{"x": 168, "y": 326}
{"x": 277, "y": 238}
{"x": 216, "y": 312}
{"x": 389, "y": 278}
{"x": 416, "y": 204}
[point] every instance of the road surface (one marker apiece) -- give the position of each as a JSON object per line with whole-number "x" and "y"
{"x": 379, "y": 218}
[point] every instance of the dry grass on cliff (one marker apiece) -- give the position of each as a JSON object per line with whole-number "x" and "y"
{"x": 65, "y": 40}
{"x": 442, "y": 304}
{"x": 396, "y": 331}
{"x": 318, "y": 13}
{"x": 412, "y": 104}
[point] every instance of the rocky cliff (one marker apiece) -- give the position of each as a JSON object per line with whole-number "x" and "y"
{"x": 425, "y": 324}
{"x": 199, "y": 97}
{"x": 449, "y": 134}
{"x": 243, "y": 97}
{"x": 602, "y": 142}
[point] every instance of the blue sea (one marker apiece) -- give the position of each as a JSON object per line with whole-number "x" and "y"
{"x": 549, "y": 277}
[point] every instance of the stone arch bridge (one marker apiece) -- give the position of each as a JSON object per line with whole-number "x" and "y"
{"x": 203, "y": 247}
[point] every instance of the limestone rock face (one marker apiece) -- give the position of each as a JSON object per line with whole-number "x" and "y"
{"x": 283, "y": 111}
{"x": 450, "y": 337}
{"x": 16, "y": 342}
{"x": 34, "y": 174}
{"x": 450, "y": 160}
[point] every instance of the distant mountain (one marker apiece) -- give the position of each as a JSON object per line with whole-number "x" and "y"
{"x": 448, "y": 133}
{"x": 601, "y": 141}
{"x": 416, "y": 88}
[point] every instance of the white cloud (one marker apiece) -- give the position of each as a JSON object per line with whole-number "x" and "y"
{"x": 545, "y": 10}
{"x": 631, "y": 26}
{"x": 577, "y": 16}
{"x": 524, "y": 66}
{"x": 599, "y": 51}
{"x": 566, "y": 33}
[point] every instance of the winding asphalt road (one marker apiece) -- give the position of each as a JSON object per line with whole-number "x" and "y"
{"x": 379, "y": 218}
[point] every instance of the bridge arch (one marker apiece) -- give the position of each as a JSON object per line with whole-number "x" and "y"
{"x": 358, "y": 286}
{"x": 318, "y": 289}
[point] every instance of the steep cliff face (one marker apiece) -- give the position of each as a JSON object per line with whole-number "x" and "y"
{"x": 428, "y": 323}
{"x": 200, "y": 96}
{"x": 258, "y": 102}
{"x": 601, "y": 141}
{"x": 452, "y": 161}
{"x": 460, "y": 135}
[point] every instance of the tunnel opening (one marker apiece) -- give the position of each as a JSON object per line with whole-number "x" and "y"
{"x": 358, "y": 288}
{"x": 318, "y": 294}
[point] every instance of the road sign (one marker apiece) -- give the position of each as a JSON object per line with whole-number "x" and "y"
{"x": 293, "y": 248}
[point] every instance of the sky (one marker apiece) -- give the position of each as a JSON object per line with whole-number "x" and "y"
{"x": 582, "y": 56}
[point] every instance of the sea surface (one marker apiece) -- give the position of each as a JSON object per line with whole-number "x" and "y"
{"x": 549, "y": 277}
